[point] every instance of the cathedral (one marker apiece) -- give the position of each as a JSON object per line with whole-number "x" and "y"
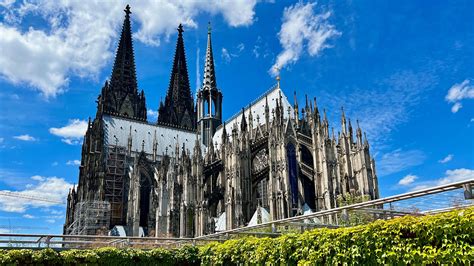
{"x": 190, "y": 173}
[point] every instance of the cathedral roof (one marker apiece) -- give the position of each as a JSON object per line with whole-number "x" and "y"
{"x": 257, "y": 107}
{"x": 117, "y": 131}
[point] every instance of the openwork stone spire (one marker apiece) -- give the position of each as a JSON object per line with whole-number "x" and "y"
{"x": 209, "y": 72}
{"x": 120, "y": 96}
{"x": 178, "y": 109}
{"x": 123, "y": 74}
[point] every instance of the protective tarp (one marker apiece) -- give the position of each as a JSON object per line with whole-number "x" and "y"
{"x": 221, "y": 222}
{"x": 261, "y": 215}
{"x": 117, "y": 230}
{"x": 307, "y": 210}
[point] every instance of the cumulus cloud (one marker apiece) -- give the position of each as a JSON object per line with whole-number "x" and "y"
{"x": 407, "y": 180}
{"x": 78, "y": 39}
{"x": 73, "y": 162}
{"x": 52, "y": 191}
{"x": 399, "y": 160}
{"x": 303, "y": 29}
{"x": 163, "y": 18}
{"x": 446, "y": 159}
{"x": 459, "y": 92}
{"x": 450, "y": 176}
{"x": 25, "y": 137}
{"x": 72, "y": 133}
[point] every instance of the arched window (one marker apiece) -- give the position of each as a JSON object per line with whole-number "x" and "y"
{"x": 306, "y": 156}
{"x": 292, "y": 173}
{"x": 205, "y": 108}
{"x": 213, "y": 107}
{"x": 145, "y": 189}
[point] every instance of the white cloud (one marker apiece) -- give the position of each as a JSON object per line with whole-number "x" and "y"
{"x": 51, "y": 221}
{"x": 1, "y": 140}
{"x": 455, "y": 108}
{"x": 240, "y": 47}
{"x": 303, "y": 29}
{"x": 53, "y": 189}
{"x": 446, "y": 159}
{"x": 28, "y": 216}
{"x": 38, "y": 178}
{"x": 25, "y": 137}
{"x": 225, "y": 55}
{"x": 152, "y": 114}
{"x": 450, "y": 176}
{"x": 72, "y": 133}
{"x": 399, "y": 160}
{"x": 407, "y": 180}
{"x": 384, "y": 106}
{"x": 163, "y": 18}
{"x": 256, "y": 51}
{"x": 55, "y": 164}
{"x": 79, "y": 38}
{"x": 73, "y": 162}
{"x": 458, "y": 92}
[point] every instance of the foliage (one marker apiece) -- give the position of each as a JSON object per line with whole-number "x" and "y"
{"x": 446, "y": 238}
{"x": 353, "y": 217}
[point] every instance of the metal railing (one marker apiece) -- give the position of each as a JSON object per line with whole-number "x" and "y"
{"x": 385, "y": 208}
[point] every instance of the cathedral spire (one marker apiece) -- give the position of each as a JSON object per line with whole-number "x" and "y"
{"x": 178, "y": 109}
{"x": 123, "y": 73}
{"x": 209, "y": 80}
{"x": 120, "y": 96}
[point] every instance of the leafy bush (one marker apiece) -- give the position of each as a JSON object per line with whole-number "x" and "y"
{"x": 446, "y": 238}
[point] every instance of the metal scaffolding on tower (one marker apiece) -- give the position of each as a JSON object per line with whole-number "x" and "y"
{"x": 114, "y": 183}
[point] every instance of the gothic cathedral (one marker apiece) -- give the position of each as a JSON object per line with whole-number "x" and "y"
{"x": 190, "y": 174}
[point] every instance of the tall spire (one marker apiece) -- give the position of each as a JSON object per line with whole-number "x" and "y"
{"x": 123, "y": 74}
{"x": 209, "y": 80}
{"x": 178, "y": 109}
{"x": 120, "y": 96}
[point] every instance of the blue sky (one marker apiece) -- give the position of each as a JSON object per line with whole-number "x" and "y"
{"x": 405, "y": 69}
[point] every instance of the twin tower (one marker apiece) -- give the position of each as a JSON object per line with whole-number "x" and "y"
{"x": 120, "y": 96}
{"x": 187, "y": 175}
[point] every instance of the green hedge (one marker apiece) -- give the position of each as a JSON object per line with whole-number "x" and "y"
{"x": 438, "y": 239}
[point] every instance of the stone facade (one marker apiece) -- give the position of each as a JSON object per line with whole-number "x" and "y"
{"x": 189, "y": 175}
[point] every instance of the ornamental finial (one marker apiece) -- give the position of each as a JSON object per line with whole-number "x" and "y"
{"x": 127, "y": 10}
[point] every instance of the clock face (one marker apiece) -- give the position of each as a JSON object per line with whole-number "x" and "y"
{"x": 260, "y": 160}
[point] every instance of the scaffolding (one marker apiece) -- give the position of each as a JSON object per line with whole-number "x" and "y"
{"x": 114, "y": 183}
{"x": 90, "y": 218}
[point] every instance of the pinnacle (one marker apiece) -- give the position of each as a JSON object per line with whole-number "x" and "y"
{"x": 209, "y": 70}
